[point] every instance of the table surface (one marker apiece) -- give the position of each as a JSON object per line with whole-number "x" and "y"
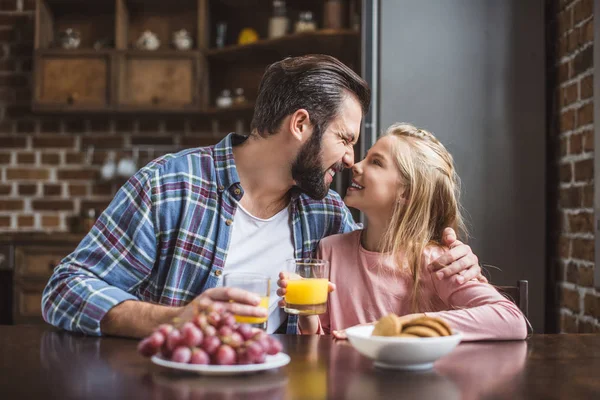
{"x": 40, "y": 362}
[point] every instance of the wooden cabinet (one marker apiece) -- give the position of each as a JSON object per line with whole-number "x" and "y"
{"x": 152, "y": 81}
{"x": 76, "y": 81}
{"x": 33, "y": 266}
{"x": 28, "y": 302}
{"x": 107, "y": 73}
{"x": 27, "y": 260}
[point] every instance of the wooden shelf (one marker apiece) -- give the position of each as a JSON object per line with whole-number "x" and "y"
{"x": 233, "y": 110}
{"x": 81, "y": 52}
{"x": 321, "y": 41}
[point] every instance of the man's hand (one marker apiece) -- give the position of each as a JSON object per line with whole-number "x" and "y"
{"x": 459, "y": 260}
{"x": 234, "y": 300}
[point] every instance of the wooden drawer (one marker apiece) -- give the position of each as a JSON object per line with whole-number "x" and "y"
{"x": 37, "y": 262}
{"x": 6, "y": 261}
{"x": 153, "y": 82}
{"x": 27, "y": 304}
{"x": 72, "y": 82}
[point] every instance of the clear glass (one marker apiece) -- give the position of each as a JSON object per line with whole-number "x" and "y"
{"x": 307, "y": 286}
{"x": 258, "y": 284}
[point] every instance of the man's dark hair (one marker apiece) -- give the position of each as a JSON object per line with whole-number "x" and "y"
{"x": 317, "y": 83}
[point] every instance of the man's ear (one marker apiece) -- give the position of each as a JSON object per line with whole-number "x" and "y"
{"x": 300, "y": 125}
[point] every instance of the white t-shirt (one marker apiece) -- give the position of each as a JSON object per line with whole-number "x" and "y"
{"x": 261, "y": 246}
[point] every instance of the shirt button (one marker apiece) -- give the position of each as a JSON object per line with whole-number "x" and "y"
{"x": 221, "y": 188}
{"x": 237, "y": 191}
{"x": 218, "y": 272}
{"x": 229, "y": 222}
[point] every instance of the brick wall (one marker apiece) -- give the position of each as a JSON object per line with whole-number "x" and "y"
{"x": 49, "y": 165}
{"x": 571, "y": 169}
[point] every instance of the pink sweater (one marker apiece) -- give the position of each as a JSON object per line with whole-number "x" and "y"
{"x": 369, "y": 286}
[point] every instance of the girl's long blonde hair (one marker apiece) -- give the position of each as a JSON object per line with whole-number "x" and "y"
{"x": 431, "y": 194}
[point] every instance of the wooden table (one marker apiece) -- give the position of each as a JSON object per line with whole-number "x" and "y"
{"x": 44, "y": 363}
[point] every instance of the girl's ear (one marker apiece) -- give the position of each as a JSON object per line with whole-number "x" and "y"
{"x": 402, "y": 195}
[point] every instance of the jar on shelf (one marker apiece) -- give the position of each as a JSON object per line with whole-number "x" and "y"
{"x": 333, "y": 14}
{"x": 224, "y": 100}
{"x": 306, "y": 22}
{"x": 239, "y": 97}
{"x": 279, "y": 22}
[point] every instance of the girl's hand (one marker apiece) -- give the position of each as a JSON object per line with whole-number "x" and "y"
{"x": 282, "y": 283}
{"x": 341, "y": 334}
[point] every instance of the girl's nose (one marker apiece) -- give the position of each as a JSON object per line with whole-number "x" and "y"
{"x": 357, "y": 168}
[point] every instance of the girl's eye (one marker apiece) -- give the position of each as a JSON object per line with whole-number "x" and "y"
{"x": 377, "y": 162}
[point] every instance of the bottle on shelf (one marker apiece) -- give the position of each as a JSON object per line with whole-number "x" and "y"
{"x": 279, "y": 22}
{"x": 306, "y": 22}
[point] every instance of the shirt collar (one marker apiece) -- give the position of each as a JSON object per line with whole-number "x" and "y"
{"x": 227, "y": 175}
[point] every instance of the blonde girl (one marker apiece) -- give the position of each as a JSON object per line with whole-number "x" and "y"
{"x": 408, "y": 190}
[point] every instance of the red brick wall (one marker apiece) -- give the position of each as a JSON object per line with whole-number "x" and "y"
{"x": 571, "y": 172}
{"x": 48, "y": 173}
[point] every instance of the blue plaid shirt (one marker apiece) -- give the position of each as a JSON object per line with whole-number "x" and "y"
{"x": 164, "y": 238}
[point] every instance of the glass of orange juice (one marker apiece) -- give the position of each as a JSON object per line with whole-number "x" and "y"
{"x": 258, "y": 284}
{"x": 307, "y": 286}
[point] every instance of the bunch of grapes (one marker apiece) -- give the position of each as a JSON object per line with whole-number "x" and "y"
{"x": 212, "y": 337}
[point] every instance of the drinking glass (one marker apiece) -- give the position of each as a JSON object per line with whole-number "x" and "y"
{"x": 258, "y": 284}
{"x": 307, "y": 286}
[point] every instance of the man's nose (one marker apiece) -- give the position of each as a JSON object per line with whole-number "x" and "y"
{"x": 348, "y": 159}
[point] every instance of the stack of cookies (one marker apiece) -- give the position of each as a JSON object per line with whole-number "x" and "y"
{"x": 390, "y": 325}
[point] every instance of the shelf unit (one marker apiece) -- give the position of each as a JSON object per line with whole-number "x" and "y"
{"x": 119, "y": 78}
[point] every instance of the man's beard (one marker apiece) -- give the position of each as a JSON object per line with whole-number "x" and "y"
{"x": 307, "y": 169}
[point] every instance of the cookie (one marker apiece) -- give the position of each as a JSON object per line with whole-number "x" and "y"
{"x": 408, "y": 335}
{"x": 421, "y": 331}
{"x": 434, "y": 323}
{"x": 388, "y": 326}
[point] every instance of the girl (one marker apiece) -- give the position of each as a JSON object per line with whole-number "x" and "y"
{"x": 408, "y": 189}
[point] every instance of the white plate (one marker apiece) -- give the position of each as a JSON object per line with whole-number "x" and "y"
{"x": 401, "y": 352}
{"x": 271, "y": 362}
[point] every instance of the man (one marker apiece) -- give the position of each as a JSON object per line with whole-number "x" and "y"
{"x": 245, "y": 204}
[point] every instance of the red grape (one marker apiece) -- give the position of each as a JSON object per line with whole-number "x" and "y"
{"x": 246, "y": 331}
{"x": 210, "y": 330}
{"x": 210, "y": 344}
{"x": 181, "y": 354}
{"x": 225, "y": 355}
{"x": 173, "y": 340}
{"x": 275, "y": 346}
{"x": 228, "y": 320}
{"x": 243, "y": 357}
{"x": 147, "y": 348}
{"x": 165, "y": 329}
{"x": 225, "y": 331}
{"x": 260, "y": 359}
{"x": 191, "y": 335}
{"x": 235, "y": 340}
{"x": 201, "y": 321}
{"x": 264, "y": 343}
{"x": 255, "y": 350}
{"x": 214, "y": 318}
{"x": 199, "y": 357}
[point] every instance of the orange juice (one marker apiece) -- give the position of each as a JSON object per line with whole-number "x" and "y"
{"x": 264, "y": 303}
{"x": 306, "y": 296}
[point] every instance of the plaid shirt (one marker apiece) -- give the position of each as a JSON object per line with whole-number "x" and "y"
{"x": 164, "y": 238}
